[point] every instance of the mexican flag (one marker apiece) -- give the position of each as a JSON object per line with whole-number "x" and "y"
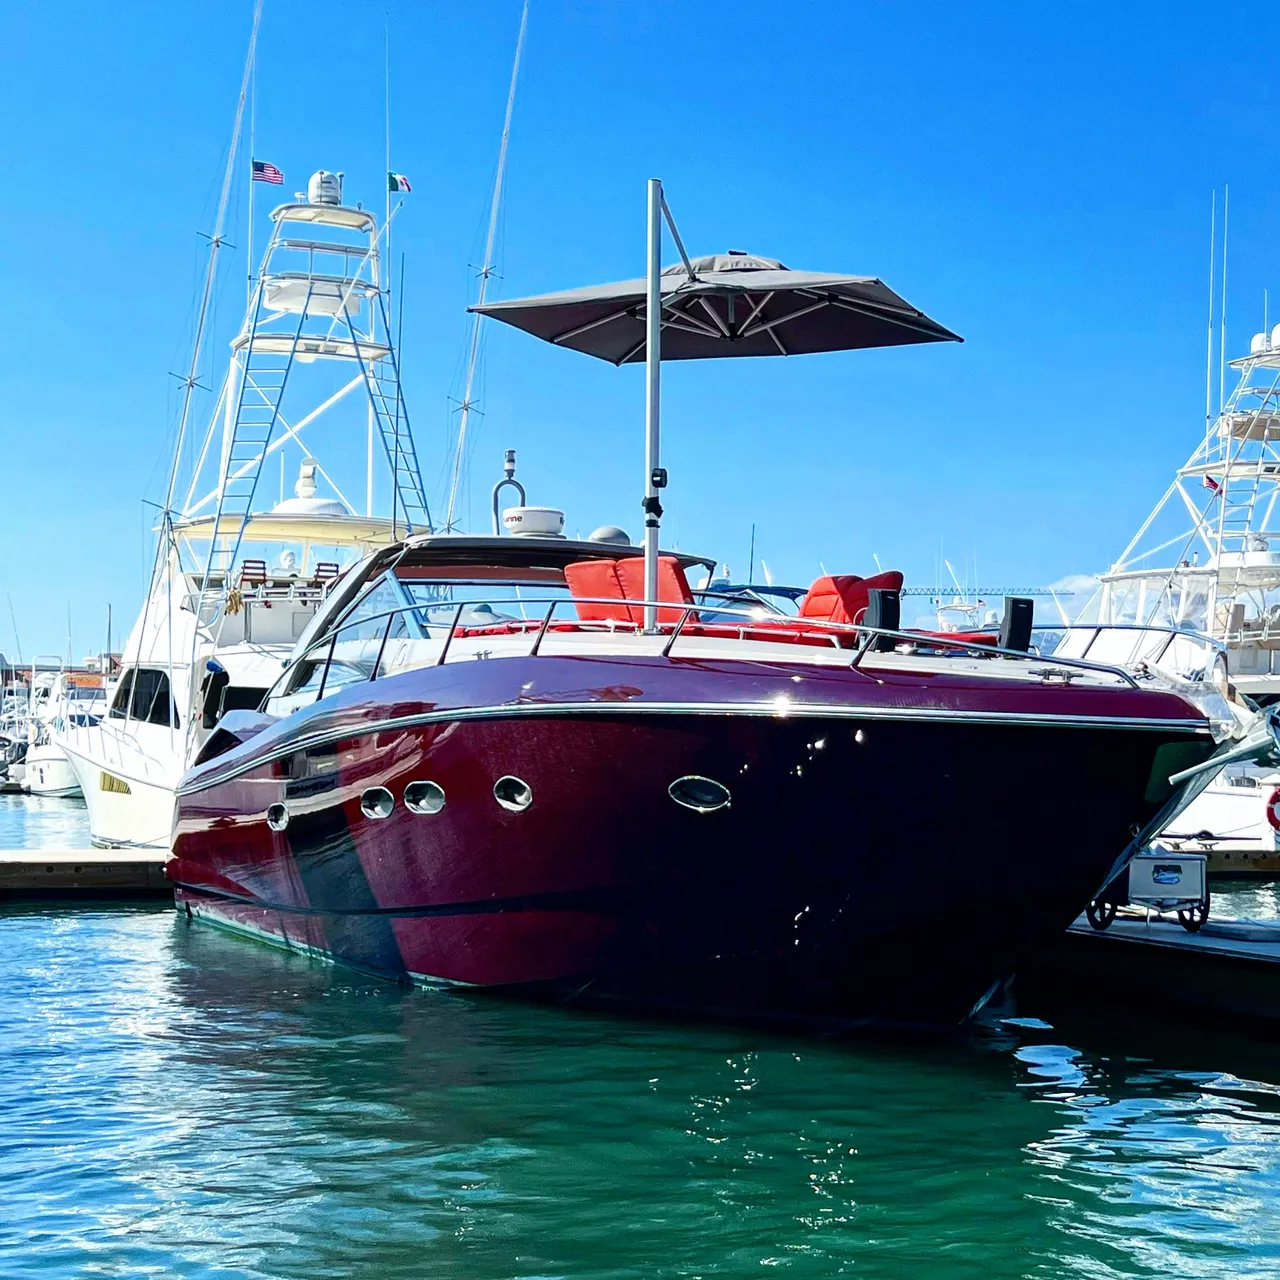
{"x": 398, "y": 182}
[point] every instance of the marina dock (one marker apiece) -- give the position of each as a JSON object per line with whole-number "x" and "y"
{"x": 1231, "y": 968}
{"x": 82, "y": 873}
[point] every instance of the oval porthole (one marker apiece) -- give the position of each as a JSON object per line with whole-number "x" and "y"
{"x": 277, "y": 817}
{"x": 424, "y": 797}
{"x": 513, "y": 793}
{"x": 377, "y": 802}
{"x": 702, "y": 795}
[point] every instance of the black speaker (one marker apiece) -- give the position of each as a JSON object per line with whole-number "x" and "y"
{"x": 884, "y": 609}
{"x": 1015, "y": 626}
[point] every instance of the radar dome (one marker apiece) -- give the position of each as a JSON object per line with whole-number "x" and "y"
{"x": 324, "y": 188}
{"x": 610, "y": 533}
{"x": 306, "y": 503}
{"x": 1257, "y": 344}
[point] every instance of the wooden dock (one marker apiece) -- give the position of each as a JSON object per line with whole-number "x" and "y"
{"x": 82, "y": 873}
{"x": 1231, "y": 968}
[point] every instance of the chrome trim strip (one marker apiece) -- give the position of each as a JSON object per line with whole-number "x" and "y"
{"x": 771, "y": 709}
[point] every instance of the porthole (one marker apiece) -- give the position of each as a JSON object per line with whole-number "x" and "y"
{"x": 702, "y": 795}
{"x": 513, "y": 793}
{"x": 277, "y": 817}
{"x": 424, "y": 797}
{"x": 377, "y": 802}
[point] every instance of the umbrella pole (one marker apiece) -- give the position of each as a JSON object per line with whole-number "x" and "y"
{"x": 655, "y": 478}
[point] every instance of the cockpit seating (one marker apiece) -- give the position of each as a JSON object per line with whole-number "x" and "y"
{"x": 623, "y": 580}
{"x": 844, "y": 597}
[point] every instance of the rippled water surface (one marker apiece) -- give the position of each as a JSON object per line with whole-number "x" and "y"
{"x": 178, "y": 1102}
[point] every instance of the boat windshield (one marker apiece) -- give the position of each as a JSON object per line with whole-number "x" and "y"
{"x": 484, "y": 601}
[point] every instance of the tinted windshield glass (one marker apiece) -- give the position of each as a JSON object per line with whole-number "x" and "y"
{"x": 485, "y": 602}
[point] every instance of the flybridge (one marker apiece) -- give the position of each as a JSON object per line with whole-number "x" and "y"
{"x": 312, "y": 299}
{"x": 1207, "y": 558}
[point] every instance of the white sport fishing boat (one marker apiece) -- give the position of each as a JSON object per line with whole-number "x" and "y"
{"x": 1207, "y": 560}
{"x": 237, "y": 579}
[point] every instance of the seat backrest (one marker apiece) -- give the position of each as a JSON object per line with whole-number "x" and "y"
{"x": 672, "y": 585}
{"x": 588, "y": 578}
{"x": 326, "y": 570}
{"x": 253, "y": 572}
{"x": 843, "y": 597}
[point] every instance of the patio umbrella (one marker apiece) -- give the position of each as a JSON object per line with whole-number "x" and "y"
{"x": 733, "y": 304}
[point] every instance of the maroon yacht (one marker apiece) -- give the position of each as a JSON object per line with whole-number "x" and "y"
{"x": 481, "y": 769}
{"x": 547, "y": 766}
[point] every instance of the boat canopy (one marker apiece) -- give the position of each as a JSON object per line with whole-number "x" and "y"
{"x": 283, "y": 526}
{"x": 330, "y": 215}
{"x": 497, "y": 551}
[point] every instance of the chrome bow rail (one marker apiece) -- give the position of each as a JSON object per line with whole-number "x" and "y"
{"x": 750, "y": 624}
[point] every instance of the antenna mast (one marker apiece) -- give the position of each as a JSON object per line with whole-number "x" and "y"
{"x": 215, "y": 243}
{"x": 1208, "y": 357}
{"x": 1222, "y": 313}
{"x": 486, "y": 270}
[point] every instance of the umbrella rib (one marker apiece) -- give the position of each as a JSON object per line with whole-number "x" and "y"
{"x": 777, "y": 342}
{"x": 756, "y": 309}
{"x": 700, "y": 331}
{"x": 768, "y": 325}
{"x": 905, "y": 310}
{"x": 639, "y": 347}
{"x": 711, "y": 311}
{"x": 591, "y": 324}
{"x": 900, "y": 319}
{"x": 692, "y": 323}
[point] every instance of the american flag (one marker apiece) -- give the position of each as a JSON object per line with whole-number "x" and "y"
{"x": 263, "y": 171}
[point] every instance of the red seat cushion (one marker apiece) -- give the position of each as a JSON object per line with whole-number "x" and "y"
{"x": 588, "y": 578}
{"x": 843, "y": 597}
{"x": 672, "y": 585}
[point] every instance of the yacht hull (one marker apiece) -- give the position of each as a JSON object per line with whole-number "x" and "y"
{"x": 125, "y": 811}
{"x": 834, "y": 885}
{"x": 49, "y": 773}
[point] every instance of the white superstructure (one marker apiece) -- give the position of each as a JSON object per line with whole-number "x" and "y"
{"x": 1207, "y": 559}
{"x": 239, "y": 573}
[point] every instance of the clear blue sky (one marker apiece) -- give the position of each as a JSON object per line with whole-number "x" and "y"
{"x": 1035, "y": 177}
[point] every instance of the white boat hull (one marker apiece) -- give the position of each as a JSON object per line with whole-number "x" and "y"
{"x": 125, "y": 811}
{"x": 1229, "y": 822}
{"x": 49, "y": 773}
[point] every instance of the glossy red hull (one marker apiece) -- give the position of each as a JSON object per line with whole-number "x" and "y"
{"x": 892, "y": 848}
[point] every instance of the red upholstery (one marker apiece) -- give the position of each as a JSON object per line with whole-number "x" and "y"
{"x": 587, "y": 578}
{"x": 843, "y": 597}
{"x": 624, "y": 580}
{"x": 672, "y": 585}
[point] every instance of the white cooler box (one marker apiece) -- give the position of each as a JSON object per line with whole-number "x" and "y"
{"x": 1165, "y": 879}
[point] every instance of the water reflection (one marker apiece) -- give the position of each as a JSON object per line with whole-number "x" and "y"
{"x": 178, "y": 1101}
{"x": 43, "y": 822}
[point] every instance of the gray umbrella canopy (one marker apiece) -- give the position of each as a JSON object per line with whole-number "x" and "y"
{"x": 734, "y": 304}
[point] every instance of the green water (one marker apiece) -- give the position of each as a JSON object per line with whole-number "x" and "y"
{"x": 178, "y": 1102}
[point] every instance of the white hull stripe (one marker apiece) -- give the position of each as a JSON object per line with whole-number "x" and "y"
{"x": 765, "y": 710}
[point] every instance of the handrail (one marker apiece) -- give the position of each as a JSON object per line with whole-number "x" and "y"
{"x": 1159, "y": 628}
{"x": 865, "y": 636}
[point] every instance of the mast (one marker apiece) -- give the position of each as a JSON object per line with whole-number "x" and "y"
{"x": 215, "y": 243}
{"x": 1208, "y": 355}
{"x": 486, "y": 270}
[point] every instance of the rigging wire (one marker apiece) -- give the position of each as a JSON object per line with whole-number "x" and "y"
{"x": 486, "y": 270}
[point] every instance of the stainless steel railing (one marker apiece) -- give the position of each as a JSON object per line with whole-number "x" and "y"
{"x": 752, "y": 625}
